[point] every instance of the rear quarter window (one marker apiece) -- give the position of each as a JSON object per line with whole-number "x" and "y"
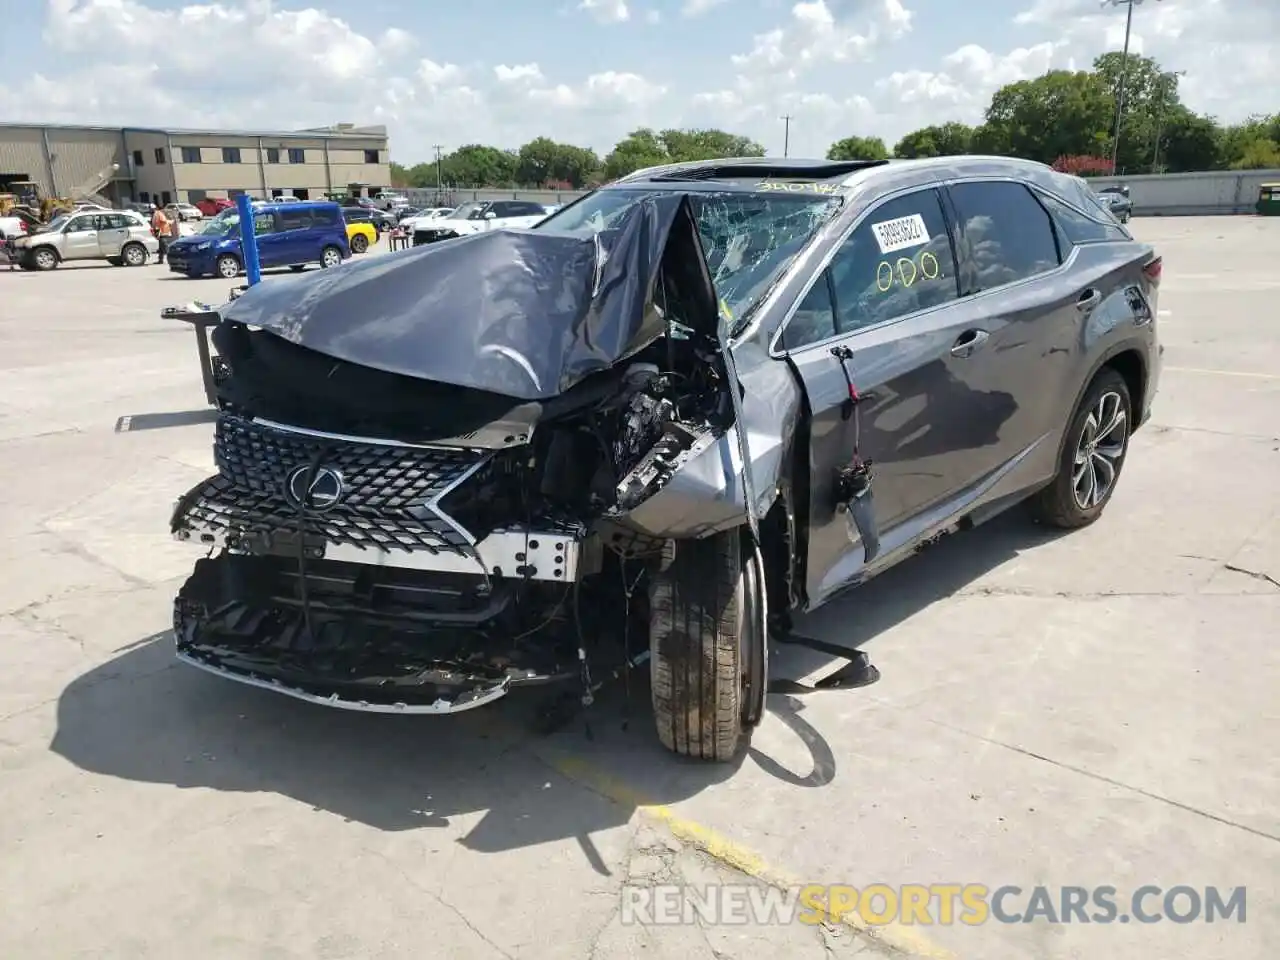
{"x": 1079, "y": 227}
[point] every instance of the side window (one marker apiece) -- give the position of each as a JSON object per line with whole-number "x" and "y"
{"x": 325, "y": 216}
{"x": 82, "y": 224}
{"x": 502, "y": 208}
{"x": 897, "y": 261}
{"x": 1007, "y": 235}
{"x": 1077, "y": 227}
{"x": 815, "y": 318}
{"x": 263, "y": 223}
{"x": 295, "y": 220}
{"x": 113, "y": 221}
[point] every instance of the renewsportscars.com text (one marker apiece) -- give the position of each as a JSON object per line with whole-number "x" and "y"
{"x": 929, "y": 904}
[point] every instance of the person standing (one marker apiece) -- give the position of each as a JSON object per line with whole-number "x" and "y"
{"x": 160, "y": 228}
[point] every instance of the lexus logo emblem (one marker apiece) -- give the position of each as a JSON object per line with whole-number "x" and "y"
{"x": 323, "y": 493}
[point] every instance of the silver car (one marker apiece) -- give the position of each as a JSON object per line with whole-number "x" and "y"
{"x": 121, "y": 237}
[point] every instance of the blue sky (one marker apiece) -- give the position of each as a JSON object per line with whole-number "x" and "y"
{"x": 586, "y": 71}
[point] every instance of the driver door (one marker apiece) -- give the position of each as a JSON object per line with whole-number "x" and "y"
{"x": 80, "y": 238}
{"x": 886, "y": 317}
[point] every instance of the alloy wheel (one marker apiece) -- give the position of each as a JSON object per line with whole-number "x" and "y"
{"x": 1100, "y": 450}
{"x": 330, "y": 257}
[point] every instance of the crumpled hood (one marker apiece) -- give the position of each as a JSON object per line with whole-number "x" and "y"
{"x": 526, "y": 314}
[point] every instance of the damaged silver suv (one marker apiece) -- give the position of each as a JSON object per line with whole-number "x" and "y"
{"x": 682, "y": 409}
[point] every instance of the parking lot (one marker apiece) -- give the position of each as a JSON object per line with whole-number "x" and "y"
{"x": 1101, "y": 708}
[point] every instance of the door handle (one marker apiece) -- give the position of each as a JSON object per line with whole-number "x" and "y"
{"x": 1088, "y": 300}
{"x": 968, "y": 342}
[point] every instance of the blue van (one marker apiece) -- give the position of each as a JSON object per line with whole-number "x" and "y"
{"x": 289, "y": 235}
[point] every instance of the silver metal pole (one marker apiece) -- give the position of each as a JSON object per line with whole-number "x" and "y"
{"x": 1124, "y": 69}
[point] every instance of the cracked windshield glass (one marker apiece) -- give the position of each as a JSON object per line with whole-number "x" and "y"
{"x": 748, "y": 238}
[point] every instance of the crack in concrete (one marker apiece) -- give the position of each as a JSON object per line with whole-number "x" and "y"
{"x": 1256, "y": 574}
{"x": 1103, "y": 778}
{"x": 440, "y": 900}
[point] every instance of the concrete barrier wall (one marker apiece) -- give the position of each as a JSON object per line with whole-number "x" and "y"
{"x": 1153, "y": 195}
{"x": 1192, "y": 194}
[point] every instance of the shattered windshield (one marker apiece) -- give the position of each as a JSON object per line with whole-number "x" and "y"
{"x": 749, "y": 238}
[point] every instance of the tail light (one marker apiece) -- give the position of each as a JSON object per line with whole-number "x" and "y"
{"x": 1154, "y": 269}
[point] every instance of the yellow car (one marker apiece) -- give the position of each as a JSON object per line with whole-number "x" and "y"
{"x": 361, "y": 236}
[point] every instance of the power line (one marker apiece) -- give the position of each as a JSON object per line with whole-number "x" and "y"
{"x": 786, "y": 134}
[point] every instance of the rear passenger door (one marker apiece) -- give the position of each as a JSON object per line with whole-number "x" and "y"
{"x": 1012, "y": 258}
{"x": 113, "y": 231}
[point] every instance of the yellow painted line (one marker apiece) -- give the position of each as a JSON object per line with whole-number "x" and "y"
{"x": 1224, "y": 373}
{"x": 729, "y": 852}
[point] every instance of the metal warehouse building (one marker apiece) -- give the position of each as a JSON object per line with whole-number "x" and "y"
{"x": 190, "y": 165}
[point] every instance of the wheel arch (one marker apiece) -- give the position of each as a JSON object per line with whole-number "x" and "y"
{"x": 1127, "y": 359}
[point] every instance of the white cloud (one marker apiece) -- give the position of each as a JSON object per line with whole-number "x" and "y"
{"x": 131, "y": 62}
{"x": 696, "y": 8}
{"x": 814, "y": 36}
{"x": 606, "y": 11}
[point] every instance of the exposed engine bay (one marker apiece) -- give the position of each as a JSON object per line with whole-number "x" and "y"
{"x": 391, "y": 542}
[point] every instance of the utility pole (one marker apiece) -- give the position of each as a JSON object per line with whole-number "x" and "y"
{"x": 1124, "y": 69}
{"x": 786, "y": 134}
{"x": 439, "y": 170}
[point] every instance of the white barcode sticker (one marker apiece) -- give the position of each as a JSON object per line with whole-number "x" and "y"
{"x": 900, "y": 233}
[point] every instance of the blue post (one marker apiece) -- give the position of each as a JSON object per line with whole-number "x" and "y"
{"x": 248, "y": 239}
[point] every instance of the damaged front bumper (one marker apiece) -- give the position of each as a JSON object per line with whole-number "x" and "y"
{"x": 340, "y": 576}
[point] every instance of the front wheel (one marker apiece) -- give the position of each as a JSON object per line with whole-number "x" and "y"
{"x": 707, "y": 646}
{"x": 45, "y": 258}
{"x": 330, "y": 257}
{"x": 1092, "y": 457}
{"x": 228, "y": 266}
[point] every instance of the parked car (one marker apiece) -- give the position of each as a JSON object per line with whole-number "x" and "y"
{"x": 286, "y": 198}
{"x": 748, "y": 386}
{"x": 389, "y": 200}
{"x": 212, "y": 206}
{"x": 411, "y": 221}
{"x": 183, "y": 211}
{"x": 288, "y": 235}
{"x": 1116, "y": 200}
{"x": 121, "y": 237}
{"x": 477, "y": 216}
{"x": 361, "y": 233}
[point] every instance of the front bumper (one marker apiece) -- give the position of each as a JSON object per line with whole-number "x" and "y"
{"x": 383, "y": 600}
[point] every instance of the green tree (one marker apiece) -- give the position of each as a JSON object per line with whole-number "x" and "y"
{"x": 639, "y": 149}
{"x": 858, "y": 148}
{"x": 1245, "y": 140}
{"x": 543, "y": 160}
{"x": 399, "y": 175}
{"x": 1188, "y": 142}
{"x": 686, "y": 145}
{"x": 477, "y": 165}
{"x": 946, "y": 140}
{"x": 1061, "y": 113}
{"x": 421, "y": 175}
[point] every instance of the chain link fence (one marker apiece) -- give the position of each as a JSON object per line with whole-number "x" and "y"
{"x": 452, "y": 196}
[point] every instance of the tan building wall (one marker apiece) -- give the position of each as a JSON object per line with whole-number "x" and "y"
{"x": 72, "y": 160}
{"x": 185, "y": 166}
{"x": 260, "y": 166}
{"x": 151, "y": 165}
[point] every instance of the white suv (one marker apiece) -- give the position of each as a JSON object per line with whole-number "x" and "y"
{"x": 476, "y": 216}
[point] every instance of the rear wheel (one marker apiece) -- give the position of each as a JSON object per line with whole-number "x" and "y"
{"x": 707, "y": 646}
{"x": 359, "y": 243}
{"x": 228, "y": 266}
{"x": 134, "y": 255}
{"x": 1092, "y": 457}
{"x": 330, "y": 257}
